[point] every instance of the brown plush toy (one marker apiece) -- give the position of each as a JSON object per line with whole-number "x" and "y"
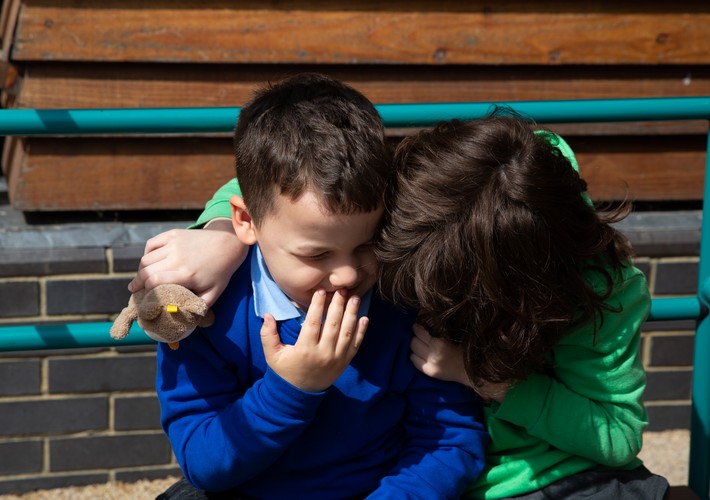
{"x": 167, "y": 313}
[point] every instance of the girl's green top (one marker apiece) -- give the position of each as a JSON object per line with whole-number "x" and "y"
{"x": 588, "y": 414}
{"x": 218, "y": 206}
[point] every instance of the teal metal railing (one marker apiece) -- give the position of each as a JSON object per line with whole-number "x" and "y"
{"x": 27, "y": 122}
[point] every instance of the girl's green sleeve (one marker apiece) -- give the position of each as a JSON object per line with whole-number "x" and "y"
{"x": 219, "y": 205}
{"x": 593, "y": 405}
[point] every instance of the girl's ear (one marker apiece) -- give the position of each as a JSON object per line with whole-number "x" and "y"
{"x": 242, "y": 221}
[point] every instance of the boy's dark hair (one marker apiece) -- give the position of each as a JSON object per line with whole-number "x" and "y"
{"x": 488, "y": 234}
{"x": 311, "y": 133}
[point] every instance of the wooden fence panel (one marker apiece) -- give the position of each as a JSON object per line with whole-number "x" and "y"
{"x": 182, "y": 53}
{"x": 412, "y": 32}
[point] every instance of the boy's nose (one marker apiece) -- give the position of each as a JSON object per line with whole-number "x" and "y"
{"x": 344, "y": 276}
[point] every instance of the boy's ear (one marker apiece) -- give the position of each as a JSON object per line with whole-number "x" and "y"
{"x": 242, "y": 221}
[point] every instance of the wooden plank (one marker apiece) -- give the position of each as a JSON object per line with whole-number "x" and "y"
{"x": 8, "y": 19}
{"x": 119, "y": 174}
{"x": 69, "y": 85}
{"x": 12, "y": 156}
{"x": 365, "y": 31}
{"x": 182, "y": 173}
{"x": 642, "y": 168}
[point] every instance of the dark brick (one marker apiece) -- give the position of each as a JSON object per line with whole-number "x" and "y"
{"x": 30, "y": 262}
{"x": 20, "y": 377}
{"x": 676, "y": 278}
{"x": 672, "y": 350}
{"x": 668, "y": 386}
{"x": 665, "y": 326}
{"x": 149, "y": 474}
{"x": 136, "y": 349}
{"x": 27, "y": 485}
{"x": 20, "y": 457}
{"x": 667, "y": 417}
{"x": 55, "y": 416}
{"x": 127, "y": 259}
{"x": 136, "y": 413}
{"x": 19, "y": 298}
{"x": 88, "y": 296}
{"x": 118, "y": 373}
{"x": 107, "y": 452}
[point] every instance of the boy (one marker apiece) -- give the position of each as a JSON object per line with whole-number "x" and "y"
{"x": 326, "y": 412}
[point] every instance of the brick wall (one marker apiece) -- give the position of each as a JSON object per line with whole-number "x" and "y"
{"x": 75, "y": 417}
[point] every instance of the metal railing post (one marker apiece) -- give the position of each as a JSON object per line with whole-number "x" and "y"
{"x": 699, "y": 463}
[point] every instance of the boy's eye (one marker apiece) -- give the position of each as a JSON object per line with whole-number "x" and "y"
{"x": 365, "y": 247}
{"x": 319, "y": 256}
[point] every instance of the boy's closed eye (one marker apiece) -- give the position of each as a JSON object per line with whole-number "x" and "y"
{"x": 366, "y": 247}
{"x": 319, "y": 256}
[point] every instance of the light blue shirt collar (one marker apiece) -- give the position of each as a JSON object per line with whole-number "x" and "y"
{"x": 269, "y": 298}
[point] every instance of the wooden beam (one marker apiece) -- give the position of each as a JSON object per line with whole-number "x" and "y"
{"x": 652, "y": 168}
{"x": 117, "y": 174}
{"x": 365, "y": 31}
{"x": 72, "y": 85}
{"x": 87, "y": 85}
{"x": 182, "y": 173}
{"x": 8, "y": 20}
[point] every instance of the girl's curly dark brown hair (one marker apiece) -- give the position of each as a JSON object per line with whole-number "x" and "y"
{"x": 488, "y": 234}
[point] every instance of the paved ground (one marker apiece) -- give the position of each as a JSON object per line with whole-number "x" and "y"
{"x": 666, "y": 454}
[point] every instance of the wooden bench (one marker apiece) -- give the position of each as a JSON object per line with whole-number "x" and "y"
{"x": 168, "y": 53}
{"x": 38, "y": 122}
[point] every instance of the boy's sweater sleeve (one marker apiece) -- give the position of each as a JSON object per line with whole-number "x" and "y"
{"x": 219, "y": 205}
{"x": 445, "y": 447}
{"x": 593, "y": 404}
{"x": 221, "y": 441}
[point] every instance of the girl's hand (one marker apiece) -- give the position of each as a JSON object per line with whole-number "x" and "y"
{"x": 202, "y": 260}
{"x": 443, "y": 360}
{"x": 323, "y": 350}
{"x": 437, "y": 358}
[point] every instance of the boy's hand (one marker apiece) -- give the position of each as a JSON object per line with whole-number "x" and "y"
{"x": 201, "y": 260}
{"x": 322, "y": 352}
{"x": 443, "y": 360}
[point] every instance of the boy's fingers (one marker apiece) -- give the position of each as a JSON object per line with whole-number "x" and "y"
{"x": 335, "y": 323}
{"x": 310, "y": 331}
{"x": 349, "y": 327}
{"x": 362, "y": 325}
{"x": 270, "y": 337}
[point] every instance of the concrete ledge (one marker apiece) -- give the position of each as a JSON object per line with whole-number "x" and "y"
{"x": 652, "y": 233}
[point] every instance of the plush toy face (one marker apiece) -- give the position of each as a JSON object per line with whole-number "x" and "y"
{"x": 167, "y": 313}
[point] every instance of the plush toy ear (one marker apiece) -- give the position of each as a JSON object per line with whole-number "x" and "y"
{"x": 196, "y": 306}
{"x": 208, "y": 319}
{"x": 122, "y": 325}
{"x": 150, "y": 309}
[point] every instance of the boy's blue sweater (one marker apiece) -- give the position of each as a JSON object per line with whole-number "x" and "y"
{"x": 382, "y": 429}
